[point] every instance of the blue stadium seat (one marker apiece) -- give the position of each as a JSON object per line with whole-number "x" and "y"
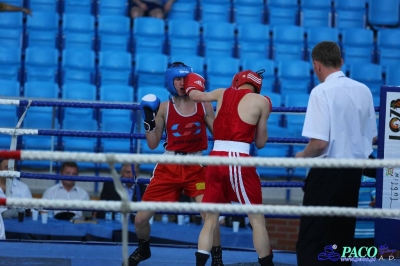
{"x": 150, "y": 69}
{"x": 77, "y": 6}
{"x": 43, "y": 5}
{"x": 9, "y": 119}
{"x": 41, "y": 64}
{"x": 116, "y": 93}
{"x": 11, "y": 20}
{"x": 112, "y": 7}
{"x": 183, "y": 10}
{"x": 253, "y": 40}
{"x": 282, "y": 12}
{"x": 269, "y": 77}
{"x": 9, "y": 88}
{"x": 41, "y": 89}
{"x": 294, "y": 77}
{"x": 115, "y": 67}
{"x": 10, "y": 63}
{"x": 386, "y": 14}
{"x": 294, "y": 122}
{"x": 220, "y": 72}
{"x": 350, "y": 14}
{"x": 357, "y": 46}
{"x": 288, "y": 43}
{"x": 316, "y": 13}
{"x": 388, "y": 48}
{"x": 78, "y": 92}
{"x": 369, "y": 74}
{"x": 218, "y": 39}
{"x": 183, "y": 37}
{"x": 213, "y": 11}
{"x": 248, "y": 11}
{"x": 194, "y": 61}
{"x": 10, "y": 37}
{"x": 113, "y": 33}
{"x": 42, "y": 29}
{"x": 41, "y": 118}
{"x": 78, "y": 65}
{"x": 392, "y": 76}
{"x": 148, "y": 35}
{"x": 319, "y": 34}
{"x": 78, "y": 31}
{"x": 274, "y": 150}
{"x": 275, "y": 119}
{"x": 160, "y": 91}
{"x": 79, "y": 143}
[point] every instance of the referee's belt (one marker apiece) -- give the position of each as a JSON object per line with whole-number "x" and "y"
{"x": 182, "y": 153}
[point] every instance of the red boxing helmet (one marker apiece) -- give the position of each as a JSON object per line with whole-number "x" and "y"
{"x": 248, "y": 77}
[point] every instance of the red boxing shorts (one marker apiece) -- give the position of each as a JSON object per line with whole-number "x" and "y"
{"x": 169, "y": 181}
{"x": 232, "y": 183}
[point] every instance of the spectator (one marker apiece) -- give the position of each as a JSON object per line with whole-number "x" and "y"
{"x": 150, "y": 8}
{"x": 109, "y": 193}
{"x": 18, "y": 190}
{"x": 4, "y": 7}
{"x": 67, "y": 189}
{"x": 340, "y": 123}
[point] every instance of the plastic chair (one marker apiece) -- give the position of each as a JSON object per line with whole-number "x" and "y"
{"x": 42, "y": 29}
{"x": 220, "y": 72}
{"x": 112, "y": 7}
{"x": 115, "y": 67}
{"x": 269, "y": 77}
{"x": 194, "y": 61}
{"x": 41, "y": 118}
{"x": 282, "y": 12}
{"x": 40, "y": 89}
{"x": 357, "y": 46}
{"x": 218, "y": 39}
{"x": 77, "y": 6}
{"x": 150, "y": 69}
{"x": 9, "y": 88}
{"x": 275, "y": 119}
{"x": 79, "y": 143}
{"x": 44, "y": 5}
{"x": 116, "y": 93}
{"x": 316, "y": 13}
{"x": 41, "y": 64}
{"x": 78, "y": 92}
{"x": 274, "y": 150}
{"x": 78, "y": 65}
{"x": 9, "y": 119}
{"x": 183, "y": 10}
{"x": 387, "y": 47}
{"x": 213, "y": 11}
{"x": 287, "y": 43}
{"x": 392, "y": 76}
{"x": 78, "y": 31}
{"x": 253, "y": 40}
{"x": 11, "y": 20}
{"x": 10, "y": 37}
{"x": 10, "y": 63}
{"x": 113, "y": 33}
{"x": 369, "y": 74}
{"x": 161, "y": 92}
{"x": 294, "y": 77}
{"x": 319, "y": 34}
{"x": 245, "y": 11}
{"x": 350, "y": 14}
{"x": 294, "y": 122}
{"x": 386, "y": 14}
{"x": 148, "y": 35}
{"x": 183, "y": 37}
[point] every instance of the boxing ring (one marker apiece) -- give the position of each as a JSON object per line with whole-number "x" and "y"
{"x": 70, "y": 253}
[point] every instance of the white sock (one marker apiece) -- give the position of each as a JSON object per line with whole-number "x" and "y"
{"x": 203, "y": 252}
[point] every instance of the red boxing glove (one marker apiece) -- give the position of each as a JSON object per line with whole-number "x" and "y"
{"x": 270, "y": 103}
{"x": 194, "y": 81}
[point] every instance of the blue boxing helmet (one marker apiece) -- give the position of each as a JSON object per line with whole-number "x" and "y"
{"x": 175, "y": 70}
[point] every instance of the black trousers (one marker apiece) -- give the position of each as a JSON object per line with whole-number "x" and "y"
{"x": 327, "y": 187}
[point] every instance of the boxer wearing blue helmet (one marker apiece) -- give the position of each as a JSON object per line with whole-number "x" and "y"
{"x": 175, "y": 70}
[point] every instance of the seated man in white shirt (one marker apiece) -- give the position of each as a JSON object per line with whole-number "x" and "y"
{"x": 67, "y": 189}
{"x": 18, "y": 189}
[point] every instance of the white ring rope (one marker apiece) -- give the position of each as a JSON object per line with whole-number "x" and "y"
{"x": 18, "y": 132}
{"x": 208, "y": 160}
{"x": 202, "y": 207}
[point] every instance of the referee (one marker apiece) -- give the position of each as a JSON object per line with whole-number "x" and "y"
{"x": 340, "y": 123}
